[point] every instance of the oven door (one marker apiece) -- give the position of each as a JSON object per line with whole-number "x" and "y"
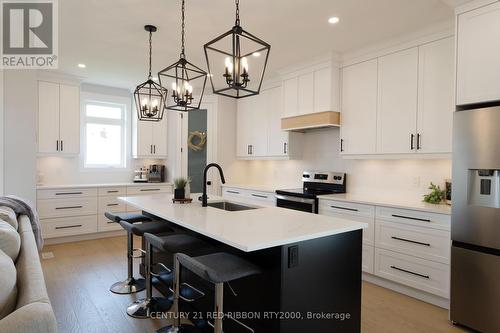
{"x": 303, "y": 204}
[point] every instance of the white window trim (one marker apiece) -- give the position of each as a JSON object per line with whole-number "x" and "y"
{"x": 124, "y": 103}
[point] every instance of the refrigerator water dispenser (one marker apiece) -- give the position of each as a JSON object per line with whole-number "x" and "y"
{"x": 484, "y": 188}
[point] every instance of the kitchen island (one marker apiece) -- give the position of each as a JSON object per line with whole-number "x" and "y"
{"x": 311, "y": 264}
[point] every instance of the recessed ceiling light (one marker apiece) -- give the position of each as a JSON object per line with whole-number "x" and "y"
{"x": 82, "y": 65}
{"x": 256, "y": 54}
{"x": 333, "y": 20}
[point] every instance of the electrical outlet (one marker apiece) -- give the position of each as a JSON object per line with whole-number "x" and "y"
{"x": 416, "y": 181}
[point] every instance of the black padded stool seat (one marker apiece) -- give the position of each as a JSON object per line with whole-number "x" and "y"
{"x": 218, "y": 267}
{"x": 150, "y": 227}
{"x": 131, "y": 218}
{"x": 176, "y": 242}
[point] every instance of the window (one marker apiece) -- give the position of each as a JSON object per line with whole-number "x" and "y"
{"x": 104, "y": 135}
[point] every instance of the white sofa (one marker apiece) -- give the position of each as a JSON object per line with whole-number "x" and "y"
{"x": 33, "y": 312}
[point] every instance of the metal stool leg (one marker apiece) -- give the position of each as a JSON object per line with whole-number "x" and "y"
{"x": 143, "y": 308}
{"x": 219, "y": 298}
{"x": 130, "y": 285}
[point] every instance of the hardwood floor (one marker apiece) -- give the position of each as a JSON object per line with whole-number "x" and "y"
{"x": 79, "y": 276}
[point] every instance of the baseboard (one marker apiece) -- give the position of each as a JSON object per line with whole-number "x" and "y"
{"x": 408, "y": 291}
{"x": 76, "y": 238}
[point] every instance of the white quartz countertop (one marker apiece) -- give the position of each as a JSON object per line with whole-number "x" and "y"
{"x": 248, "y": 230}
{"x": 389, "y": 201}
{"x": 54, "y": 187}
{"x": 262, "y": 188}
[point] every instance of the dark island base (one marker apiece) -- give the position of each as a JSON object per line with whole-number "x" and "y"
{"x": 310, "y": 286}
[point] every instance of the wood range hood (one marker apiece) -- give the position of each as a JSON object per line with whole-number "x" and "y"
{"x": 311, "y": 121}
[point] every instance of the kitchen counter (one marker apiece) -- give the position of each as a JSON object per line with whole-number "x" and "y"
{"x": 380, "y": 199}
{"x": 130, "y": 184}
{"x": 389, "y": 201}
{"x": 248, "y": 230}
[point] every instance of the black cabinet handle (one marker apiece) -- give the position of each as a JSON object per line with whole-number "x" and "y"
{"x": 62, "y": 147}
{"x": 69, "y": 207}
{"x": 412, "y": 141}
{"x": 411, "y": 218}
{"x": 149, "y": 189}
{"x": 410, "y": 241}
{"x": 248, "y": 149}
{"x": 57, "y": 145}
{"x": 114, "y": 204}
{"x": 154, "y": 149}
{"x": 345, "y": 208}
{"x": 150, "y": 149}
{"x": 113, "y": 191}
{"x": 418, "y": 141}
{"x": 284, "y": 148}
{"x": 260, "y": 196}
{"x": 68, "y": 193}
{"x": 410, "y": 272}
{"x": 233, "y": 192}
{"x": 251, "y": 149}
{"x": 70, "y": 226}
{"x": 341, "y": 145}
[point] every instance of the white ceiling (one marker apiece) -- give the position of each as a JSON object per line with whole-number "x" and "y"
{"x": 108, "y": 36}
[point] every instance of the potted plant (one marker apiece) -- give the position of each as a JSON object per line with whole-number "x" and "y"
{"x": 180, "y": 187}
{"x": 436, "y": 196}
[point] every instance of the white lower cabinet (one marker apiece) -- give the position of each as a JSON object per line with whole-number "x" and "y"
{"x": 78, "y": 211}
{"x": 68, "y": 226}
{"x": 251, "y": 197}
{"x": 426, "y": 275}
{"x": 409, "y": 247}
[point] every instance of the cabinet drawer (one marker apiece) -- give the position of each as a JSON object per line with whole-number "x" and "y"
{"x": 263, "y": 198}
{"x": 104, "y": 224}
{"x": 69, "y": 226}
{"x": 233, "y": 192}
{"x": 151, "y": 189}
{"x": 413, "y": 217}
{"x": 112, "y": 191}
{"x": 420, "y": 242}
{"x": 368, "y": 233}
{"x": 110, "y": 204}
{"x": 347, "y": 208}
{"x": 66, "y": 193}
{"x": 67, "y": 207}
{"x": 368, "y": 258}
{"x": 418, "y": 273}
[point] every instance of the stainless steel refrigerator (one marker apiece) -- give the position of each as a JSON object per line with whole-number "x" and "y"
{"x": 475, "y": 223}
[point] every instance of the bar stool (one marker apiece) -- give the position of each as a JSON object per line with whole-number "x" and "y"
{"x": 143, "y": 308}
{"x": 217, "y": 268}
{"x": 131, "y": 284}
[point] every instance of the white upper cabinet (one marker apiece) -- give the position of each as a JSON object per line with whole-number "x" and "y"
{"x": 259, "y": 133}
{"x": 401, "y": 103}
{"x": 312, "y": 89}
{"x": 58, "y": 118}
{"x": 278, "y": 139}
{"x": 478, "y": 54}
{"x": 435, "y": 96}
{"x": 149, "y": 138}
{"x": 359, "y": 108}
{"x": 397, "y": 102}
{"x": 306, "y": 93}
{"x": 290, "y": 97}
{"x": 69, "y": 128}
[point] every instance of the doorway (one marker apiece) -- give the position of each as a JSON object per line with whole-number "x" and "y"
{"x": 197, "y": 148}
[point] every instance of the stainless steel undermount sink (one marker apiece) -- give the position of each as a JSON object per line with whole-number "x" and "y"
{"x": 229, "y": 206}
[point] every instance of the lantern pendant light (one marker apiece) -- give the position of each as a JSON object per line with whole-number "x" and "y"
{"x": 149, "y": 96}
{"x": 244, "y": 58}
{"x": 183, "y": 77}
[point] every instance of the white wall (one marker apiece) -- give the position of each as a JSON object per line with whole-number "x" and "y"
{"x": 1, "y": 134}
{"x": 20, "y": 107}
{"x": 405, "y": 178}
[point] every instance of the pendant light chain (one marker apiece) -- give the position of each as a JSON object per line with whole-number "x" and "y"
{"x": 183, "y": 54}
{"x": 237, "y": 12}
{"x": 150, "y": 51}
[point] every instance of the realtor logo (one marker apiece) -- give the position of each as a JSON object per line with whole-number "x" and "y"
{"x": 29, "y": 34}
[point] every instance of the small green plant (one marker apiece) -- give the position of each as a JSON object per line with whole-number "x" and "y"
{"x": 436, "y": 196}
{"x": 180, "y": 183}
